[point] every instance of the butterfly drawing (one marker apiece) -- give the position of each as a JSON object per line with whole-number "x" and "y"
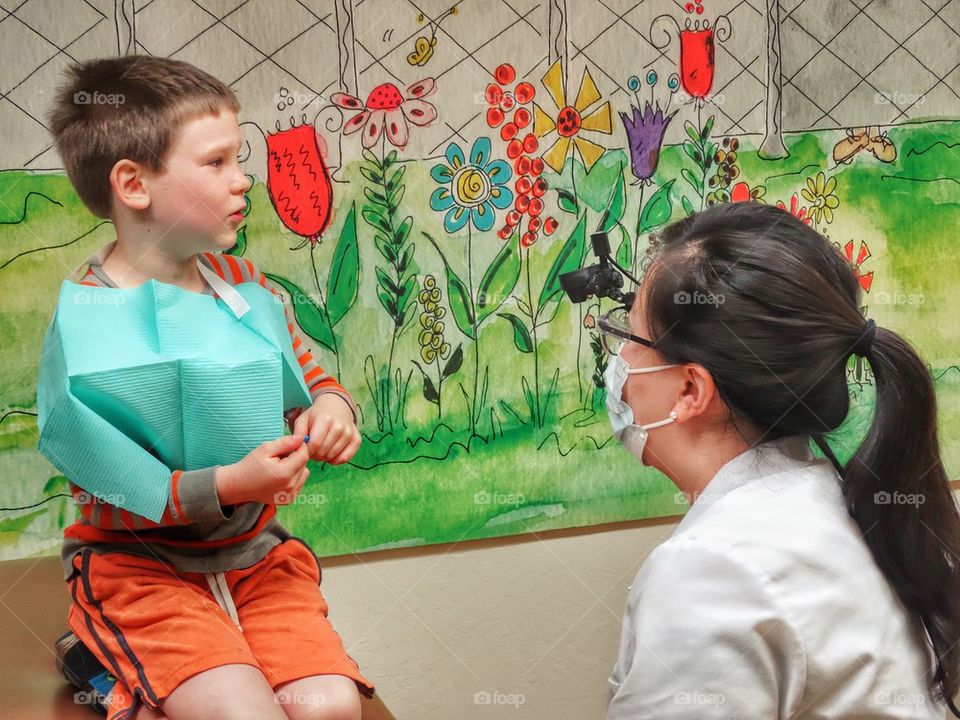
{"x": 423, "y": 46}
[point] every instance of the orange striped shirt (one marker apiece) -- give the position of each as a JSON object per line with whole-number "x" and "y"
{"x": 101, "y": 521}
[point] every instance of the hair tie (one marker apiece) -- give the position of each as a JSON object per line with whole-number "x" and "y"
{"x": 862, "y": 347}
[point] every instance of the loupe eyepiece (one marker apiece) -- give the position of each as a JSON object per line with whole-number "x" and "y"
{"x": 605, "y": 279}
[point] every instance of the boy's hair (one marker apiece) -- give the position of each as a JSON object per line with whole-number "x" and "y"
{"x": 126, "y": 107}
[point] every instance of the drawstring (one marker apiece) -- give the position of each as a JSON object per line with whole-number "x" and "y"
{"x": 221, "y": 593}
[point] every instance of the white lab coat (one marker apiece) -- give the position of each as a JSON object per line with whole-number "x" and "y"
{"x": 766, "y": 603}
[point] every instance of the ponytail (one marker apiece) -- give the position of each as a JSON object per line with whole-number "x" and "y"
{"x": 897, "y": 491}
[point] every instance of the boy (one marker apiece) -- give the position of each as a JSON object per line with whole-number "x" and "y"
{"x": 184, "y": 584}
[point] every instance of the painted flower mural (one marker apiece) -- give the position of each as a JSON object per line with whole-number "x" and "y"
{"x": 795, "y": 209}
{"x": 572, "y": 119}
{"x": 697, "y": 61}
{"x": 510, "y": 111}
{"x": 298, "y": 181}
{"x": 388, "y": 110}
{"x": 865, "y": 279}
{"x": 645, "y": 130}
{"x": 819, "y": 192}
{"x": 471, "y": 191}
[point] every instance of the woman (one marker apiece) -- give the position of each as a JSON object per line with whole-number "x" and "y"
{"x": 794, "y": 587}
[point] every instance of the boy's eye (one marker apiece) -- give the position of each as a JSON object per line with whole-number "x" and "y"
{"x": 218, "y": 162}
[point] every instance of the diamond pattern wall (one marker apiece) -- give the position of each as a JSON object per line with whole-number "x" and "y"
{"x": 845, "y": 62}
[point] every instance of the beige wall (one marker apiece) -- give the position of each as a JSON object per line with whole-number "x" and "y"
{"x": 535, "y": 617}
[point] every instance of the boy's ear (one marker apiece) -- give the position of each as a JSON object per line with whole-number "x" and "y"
{"x": 126, "y": 181}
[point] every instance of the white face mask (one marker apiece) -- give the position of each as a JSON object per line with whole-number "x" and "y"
{"x": 632, "y": 436}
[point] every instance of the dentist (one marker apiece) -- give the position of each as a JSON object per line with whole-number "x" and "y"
{"x": 796, "y": 586}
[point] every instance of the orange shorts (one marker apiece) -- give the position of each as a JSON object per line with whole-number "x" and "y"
{"x": 154, "y": 627}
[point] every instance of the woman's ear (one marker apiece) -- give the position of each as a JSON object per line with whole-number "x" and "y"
{"x": 697, "y": 394}
{"x": 127, "y": 185}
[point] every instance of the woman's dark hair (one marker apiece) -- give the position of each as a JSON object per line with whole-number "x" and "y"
{"x": 772, "y": 310}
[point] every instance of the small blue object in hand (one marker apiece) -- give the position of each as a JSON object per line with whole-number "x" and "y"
{"x": 306, "y": 439}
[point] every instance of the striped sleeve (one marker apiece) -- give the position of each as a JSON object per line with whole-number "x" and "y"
{"x": 193, "y": 498}
{"x": 236, "y": 270}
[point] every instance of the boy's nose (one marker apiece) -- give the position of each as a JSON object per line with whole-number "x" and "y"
{"x": 243, "y": 183}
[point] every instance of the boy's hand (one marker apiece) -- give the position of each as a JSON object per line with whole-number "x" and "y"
{"x": 273, "y": 473}
{"x": 334, "y": 437}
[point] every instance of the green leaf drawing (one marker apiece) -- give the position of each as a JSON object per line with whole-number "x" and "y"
{"x": 521, "y": 336}
{"x": 344, "y": 276}
{"x": 310, "y": 316}
{"x": 499, "y": 280}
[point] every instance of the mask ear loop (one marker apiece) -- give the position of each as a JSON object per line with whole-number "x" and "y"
{"x": 661, "y": 423}
{"x": 638, "y": 371}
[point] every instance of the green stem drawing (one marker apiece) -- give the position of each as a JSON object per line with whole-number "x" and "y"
{"x": 535, "y": 409}
{"x": 323, "y": 309}
{"x": 397, "y": 288}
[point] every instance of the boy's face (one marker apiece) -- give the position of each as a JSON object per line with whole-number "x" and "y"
{"x": 196, "y": 197}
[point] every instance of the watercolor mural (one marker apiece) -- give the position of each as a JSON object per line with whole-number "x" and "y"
{"x": 425, "y": 172}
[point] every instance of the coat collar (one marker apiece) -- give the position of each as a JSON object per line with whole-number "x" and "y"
{"x": 767, "y": 458}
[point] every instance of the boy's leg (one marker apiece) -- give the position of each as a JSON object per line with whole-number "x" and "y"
{"x": 228, "y": 691}
{"x": 192, "y": 699}
{"x": 284, "y": 619}
{"x": 161, "y": 632}
{"x": 331, "y": 697}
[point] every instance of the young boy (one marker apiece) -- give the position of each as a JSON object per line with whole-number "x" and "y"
{"x": 209, "y": 608}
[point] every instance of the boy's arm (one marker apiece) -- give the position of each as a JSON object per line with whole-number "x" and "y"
{"x": 319, "y": 382}
{"x": 193, "y": 498}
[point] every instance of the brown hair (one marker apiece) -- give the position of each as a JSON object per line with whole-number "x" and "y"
{"x": 126, "y": 107}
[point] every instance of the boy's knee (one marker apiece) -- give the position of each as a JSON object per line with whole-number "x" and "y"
{"x": 321, "y": 698}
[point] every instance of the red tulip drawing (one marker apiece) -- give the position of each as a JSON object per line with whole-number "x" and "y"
{"x": 698, "y": 40}
{"x": 696, "y": 61}
{"x": 298, "y": 181}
